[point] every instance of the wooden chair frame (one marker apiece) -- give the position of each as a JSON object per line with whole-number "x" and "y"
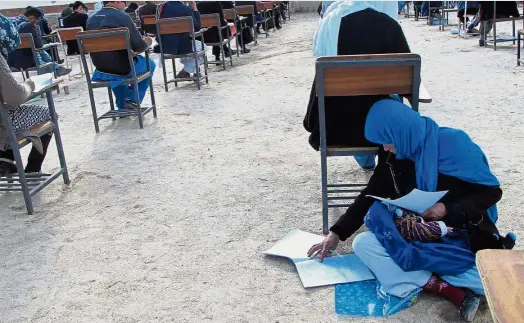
{"x": 147, "y": 20}
{"x": 169, "y": 26}
{"x": 31, "y": 184}
{"x": 249, "y": 11}
{"x": 230, "y": 15}
{"x": 213, "y": 20}
{"x": 112, "y": 40}
{"x": 354, "y": 75}
{"x": 69, "y": 34}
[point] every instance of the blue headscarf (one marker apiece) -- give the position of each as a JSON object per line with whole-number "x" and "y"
{"x": 9, "y": 36}
{"x": 434, "y": 149}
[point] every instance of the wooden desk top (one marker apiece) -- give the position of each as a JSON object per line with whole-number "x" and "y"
{"x": 502, "y": 274}
{"x": 423, "y": 94}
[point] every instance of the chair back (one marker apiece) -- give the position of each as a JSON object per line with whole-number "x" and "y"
{"x": 356, "y": 75}
{"x": 168, "y": 26}
{"x": 245, "y": 10}
{"x": 147, "y": 20}
{"x": 65, "y": 34}
{"x": 104, "y": 40}
{"x": 210, "y": 20}
{"x": 230, "y": 14}
{"x": 27, "y": 42}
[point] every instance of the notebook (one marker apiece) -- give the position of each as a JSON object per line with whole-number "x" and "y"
{"x": 337, "y": 269}
{"x": 417, "y": 201}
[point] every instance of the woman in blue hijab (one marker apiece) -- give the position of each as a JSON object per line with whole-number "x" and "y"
{"x": 417, "y": 153}
{"x": 444, "y": 159}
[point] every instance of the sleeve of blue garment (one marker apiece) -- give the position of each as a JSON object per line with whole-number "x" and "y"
{"x": 137, "y": 43}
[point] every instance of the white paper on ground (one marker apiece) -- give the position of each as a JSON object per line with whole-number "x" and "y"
{"x": 417, "y": 201}
{"x": 295, "y": 245}
{"x": 41, "y": 81}
{"x": 334, "y": 270}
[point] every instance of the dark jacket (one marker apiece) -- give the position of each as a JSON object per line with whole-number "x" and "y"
{"x": 178, "y": 44}
{"x": 115, "y": 62}
{"x": 76, "y": 19}
{"x": 505, "y": 9}
{"x": 466, "y": 203}
{"x": 209, "y": 7}
{"x": 66, "y": 12}
{"x": 23, "y": 58}
{"x": 149, "y": 9}
{"x": 346, "y": 116}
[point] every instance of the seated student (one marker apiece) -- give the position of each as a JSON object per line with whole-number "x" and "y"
{"x": 46, "y": 30}
{"x": 76, "y": 19}
{"x": 505, "y": 9}
{"x": 132, "y": 8}
{"x": 211, "y": 35}
{"x": 23, "y": 116}
{"x": 180, "y": 44}
{"x": 114, "y": 66}
{"x": 148, "y": 9}
{"x": 67, "y": 11}
{"x": 23, "y": 58}
{"x": 247, "y": 37}
{"x": 340, "y": 33}
{"x": 430, "y": 158}
{"x": 472, "y": 9}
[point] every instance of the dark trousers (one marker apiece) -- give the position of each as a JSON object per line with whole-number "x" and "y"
{"x": 35, "y": 159}
{"x": 216, "y": 51}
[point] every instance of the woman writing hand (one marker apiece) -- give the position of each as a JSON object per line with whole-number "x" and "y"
{"x": 329, "y": 244}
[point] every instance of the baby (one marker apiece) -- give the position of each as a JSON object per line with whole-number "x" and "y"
{"x": 412, "y": 227}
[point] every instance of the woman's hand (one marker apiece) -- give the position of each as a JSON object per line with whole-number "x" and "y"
{"x": 435, "y": 213}
{"x": 329, "y": 243}
{"x": 31, "y": 84}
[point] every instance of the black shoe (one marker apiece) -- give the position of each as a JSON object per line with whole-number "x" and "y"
{"x": 61, "y": 61}
{"x": 482, "y": 43}
{"x": 246, "y": 51}
{"x": 7, "y": 167}
{"x": 469, "y": 307}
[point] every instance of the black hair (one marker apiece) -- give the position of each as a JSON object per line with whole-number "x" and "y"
{"x": 71, "y": 5}
{"x": 78, "y": 4}
{"x": 33, "y": 12}
{"x": 133, "y": 6}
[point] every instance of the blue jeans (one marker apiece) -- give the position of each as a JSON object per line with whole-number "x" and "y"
{"x": 126, "y": 92}
{"x": 43, "y": 57}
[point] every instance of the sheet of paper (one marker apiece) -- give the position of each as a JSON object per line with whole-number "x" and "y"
{"x": 41, "y": 81}
{"x": 334, "y": 270}
{"x": 295, "y": 245}
{"x": 416, "y": 201}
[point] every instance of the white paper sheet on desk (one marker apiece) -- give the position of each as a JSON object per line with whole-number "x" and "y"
{"x": 295, "y": 245}
{"x": 417, "y": 201}
{"x": 334, "y": 270}
{"x": 41, "y": 81}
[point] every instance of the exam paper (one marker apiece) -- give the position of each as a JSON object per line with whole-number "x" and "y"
{"x": 295, "y": 245}
{"x": 417, "y": 201}
{"x": 334, "y": 270}
{"x": 41, "y": 81}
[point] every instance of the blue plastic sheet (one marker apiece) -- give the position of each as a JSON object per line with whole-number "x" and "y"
{"x": 367, "y": 299}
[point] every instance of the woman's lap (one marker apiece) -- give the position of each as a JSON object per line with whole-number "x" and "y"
{"x": 397, "y": 282}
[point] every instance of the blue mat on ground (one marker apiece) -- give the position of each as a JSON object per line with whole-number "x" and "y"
{"x": 367, "y": 299}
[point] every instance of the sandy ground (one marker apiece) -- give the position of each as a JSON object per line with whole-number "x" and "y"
{"x": 168, "y": 223}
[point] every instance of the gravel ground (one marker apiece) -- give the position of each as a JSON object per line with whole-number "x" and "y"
{"x": 168, "y": 223}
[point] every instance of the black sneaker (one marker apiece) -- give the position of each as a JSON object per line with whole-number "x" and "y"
{"x": 7, "y": 167}
{"x": 482, "y": 43}
{"x": 246, "y": 51}
{"x": 469, "y": 307}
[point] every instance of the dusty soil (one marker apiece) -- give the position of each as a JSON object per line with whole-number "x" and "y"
{"x": 168, "y": 223}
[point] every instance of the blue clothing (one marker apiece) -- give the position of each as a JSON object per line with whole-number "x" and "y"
{"x": 178, "y": 44}
{"x": 325, "y": 5}
{"x": 439, "y": 258}
{"x": 125, "y": 92}
{"x": 10, "y": 38}
{"x": 115, "y": 62}
{"x": 434, "y": 149}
